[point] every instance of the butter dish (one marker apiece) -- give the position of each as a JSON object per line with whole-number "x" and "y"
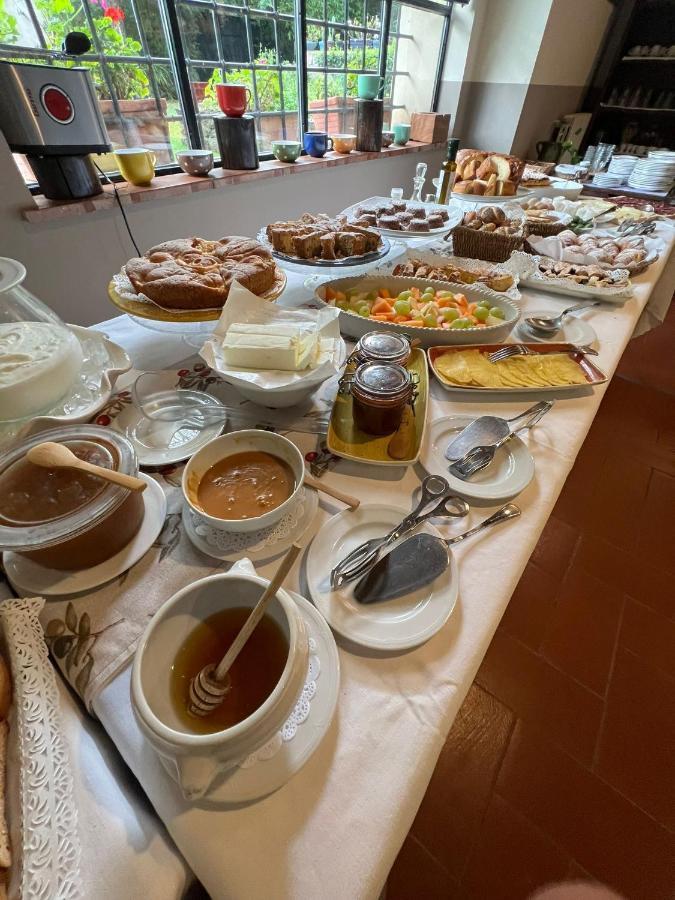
{"x": 305, "y": 344}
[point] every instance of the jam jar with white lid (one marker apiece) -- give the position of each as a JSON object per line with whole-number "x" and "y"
{"x": 380, "y": 393}
{"x": 382, "y": 346}
{"x": 63, "y": 518}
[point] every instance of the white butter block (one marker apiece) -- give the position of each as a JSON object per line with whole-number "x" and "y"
{"x": 273, "y": 346}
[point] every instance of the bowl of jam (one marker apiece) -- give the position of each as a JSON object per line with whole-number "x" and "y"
{"x": 63, "y": 518}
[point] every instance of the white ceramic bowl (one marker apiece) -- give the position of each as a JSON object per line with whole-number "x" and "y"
{"x": 242, "y": 442}
{"x": 194, "y": 760}
{"x": 356, "y": 326}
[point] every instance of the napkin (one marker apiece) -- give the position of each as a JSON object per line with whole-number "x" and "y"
{"x": 243, "y": 307}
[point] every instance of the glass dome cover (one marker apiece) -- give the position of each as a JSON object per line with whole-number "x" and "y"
{"x": 40, "y": 356}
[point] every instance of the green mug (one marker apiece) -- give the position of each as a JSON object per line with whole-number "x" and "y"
{"x": 369, "y": 86}
{"x": 286, "y": 151}
{"x": 401, "y": 133}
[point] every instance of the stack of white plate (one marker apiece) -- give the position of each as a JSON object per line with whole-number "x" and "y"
{"x": 622, "y": 165}
{"x": 608, "y": 180}
{"x": 655, "y": 173}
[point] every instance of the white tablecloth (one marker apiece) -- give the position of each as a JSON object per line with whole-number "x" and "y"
{"x": 334, "y": 830}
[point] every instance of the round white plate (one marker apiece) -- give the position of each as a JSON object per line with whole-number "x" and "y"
{"x": 507, "y": 475}
{"x": 179, "y": 445}
{"x": 255, "y": 545}
{"x": 28, "y": 577}
{"x": 390, "y": 625}
{"x": 479, "y": 199}
{"x": 267, "y": 775}
{"x": 103, "y": 363}
{"x": 574, "y": 330}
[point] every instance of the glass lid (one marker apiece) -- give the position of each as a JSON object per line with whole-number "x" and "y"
{"x": 41, "y": 507}
{"x": 383, "y": 380}
{"x": 18, "y": 304}
{"x": 384, "y": 345}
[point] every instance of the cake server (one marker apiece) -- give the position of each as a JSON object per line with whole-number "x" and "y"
{"x": 485, "y": 430}
{"x": 418, "y": 561}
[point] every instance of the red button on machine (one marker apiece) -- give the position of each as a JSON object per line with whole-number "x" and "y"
{"x": 57, "y": 104}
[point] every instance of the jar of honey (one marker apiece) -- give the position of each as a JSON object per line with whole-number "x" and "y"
{"x": 380, "y": 392}
{"x": 384, "y": 347}
{"x": 63, "y": 518}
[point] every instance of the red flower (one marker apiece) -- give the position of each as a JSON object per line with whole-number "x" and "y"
{"x": 114, "y": 13}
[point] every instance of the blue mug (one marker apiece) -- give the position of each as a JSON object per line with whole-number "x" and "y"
{"x": 316, "y": 143}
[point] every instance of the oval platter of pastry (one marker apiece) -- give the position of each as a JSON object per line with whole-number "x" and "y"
{"x": 188, "y": 279}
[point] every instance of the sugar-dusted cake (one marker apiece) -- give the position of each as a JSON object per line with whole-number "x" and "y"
{"x": 193, "y": 273}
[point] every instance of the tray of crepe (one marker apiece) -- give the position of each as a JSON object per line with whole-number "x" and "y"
{"x": 548, "y": 368}
{"x": 528, "y": 268}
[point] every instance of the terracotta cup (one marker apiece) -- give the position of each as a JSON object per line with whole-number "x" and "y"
{"x": 233, "y": 98}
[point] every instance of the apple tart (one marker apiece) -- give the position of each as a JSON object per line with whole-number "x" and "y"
{"x": 193, "y": 273}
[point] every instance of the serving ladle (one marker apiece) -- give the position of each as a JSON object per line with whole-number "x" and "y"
{"x": 551, "y": 324}
{"x": 209, "y": 686}
{"x": 50, "y": 455}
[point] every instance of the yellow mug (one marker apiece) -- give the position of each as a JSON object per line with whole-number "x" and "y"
{"x": 136, "y": 165}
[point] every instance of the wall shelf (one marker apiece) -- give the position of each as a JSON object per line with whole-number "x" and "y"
{"x": 637, "y": 109}
{"x": 648, "y": 59}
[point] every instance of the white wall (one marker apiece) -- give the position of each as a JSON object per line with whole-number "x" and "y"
{"x": 70, "y": 261}
{"x": 573, "y": 34}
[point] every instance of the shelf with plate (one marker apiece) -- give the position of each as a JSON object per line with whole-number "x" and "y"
{"x": 648, "y": 59}
{"x": 636, "y": 109}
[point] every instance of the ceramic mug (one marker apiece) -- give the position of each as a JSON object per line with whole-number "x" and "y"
{"x": 287, "y": 151}
{"x": 387, "y": 138}
{"x": 195, "y": 162}
{"x": 136, "y": 165}
{"x": 369, "y": 86}
{"x": 401, "y": 133}
{"x": 316, "y": 143}
{"x": 194, "y": 760}
{"x": 233, "y": 98}
{"x": 343, "y": 143}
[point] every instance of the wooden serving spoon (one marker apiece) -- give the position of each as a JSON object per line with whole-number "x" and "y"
{"x": 209, "y": 686}
{"x": 50, "y": 455}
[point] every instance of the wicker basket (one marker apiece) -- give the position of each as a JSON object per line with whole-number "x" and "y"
{"x": 544, "y": 229}
{"x": 484, "y": 244}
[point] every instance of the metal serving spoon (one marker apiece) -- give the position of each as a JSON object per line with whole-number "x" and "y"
{"x": 551, "y": 324}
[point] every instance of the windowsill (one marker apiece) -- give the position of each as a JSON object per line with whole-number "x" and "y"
{"x": 169, "y": 186}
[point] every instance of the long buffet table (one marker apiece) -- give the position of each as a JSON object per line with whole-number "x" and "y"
{"x": 334, "y": 830}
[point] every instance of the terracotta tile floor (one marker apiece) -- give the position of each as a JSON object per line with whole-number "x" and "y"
{"x": 561, "y": 762}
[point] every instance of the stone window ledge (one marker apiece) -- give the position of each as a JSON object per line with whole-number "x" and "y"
{"x": 169, "y": 186}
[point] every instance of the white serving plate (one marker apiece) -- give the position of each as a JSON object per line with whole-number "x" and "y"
{"x": 525, "y": 265}
{"x": 480, "y": 199}
{"x": 454, "y": 213}
{"x": 102, "y": 365}
{"x": 570, "y": 190}
{"x": 574, "y": 330}
{"x": 443, "y": 249}
{"x": 507, "y": 475}
{"x": 356, "y": 326}
{"x": 392, "y": 625}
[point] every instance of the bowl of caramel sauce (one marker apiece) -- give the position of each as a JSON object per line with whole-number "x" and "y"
{"x": 243, "y": 481}
{"x": 196, "y": 627}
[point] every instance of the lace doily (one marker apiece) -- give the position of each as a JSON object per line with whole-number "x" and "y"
{"x": 297, "y": 717}
{"x": 50, "y": 853}
{"x": 249, "y": 541}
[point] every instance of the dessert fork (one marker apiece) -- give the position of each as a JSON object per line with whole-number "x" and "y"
{"x": 522, "y": 350}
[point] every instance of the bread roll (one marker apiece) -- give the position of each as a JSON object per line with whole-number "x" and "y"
{"x": 507, "y": 188}
{"x": 478, "y": 187}
{"x": 461, "y": 187}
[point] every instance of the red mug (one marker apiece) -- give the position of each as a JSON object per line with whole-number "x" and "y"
{"x": 233, "y": 98}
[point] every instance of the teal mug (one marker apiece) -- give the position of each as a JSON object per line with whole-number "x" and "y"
{"x": 286, "y": 151}
{"x": 401, "y": 133}
{"x": 369, "y": 86}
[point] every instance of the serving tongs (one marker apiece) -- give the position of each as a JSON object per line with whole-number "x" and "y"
{"x": 435, "y": 490}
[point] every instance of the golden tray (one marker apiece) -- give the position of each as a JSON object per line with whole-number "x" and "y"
{"x": 145, "y": 309}
{"x": 346, "y": 440}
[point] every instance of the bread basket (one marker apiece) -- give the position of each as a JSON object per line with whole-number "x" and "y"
{"x": 485, "y": 244}
{"x": 544, "y": 229}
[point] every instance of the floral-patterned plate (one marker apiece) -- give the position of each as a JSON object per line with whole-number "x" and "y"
{"x": 28, "y": 577}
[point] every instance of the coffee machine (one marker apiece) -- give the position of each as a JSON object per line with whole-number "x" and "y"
{"x": 52, "y": 115}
